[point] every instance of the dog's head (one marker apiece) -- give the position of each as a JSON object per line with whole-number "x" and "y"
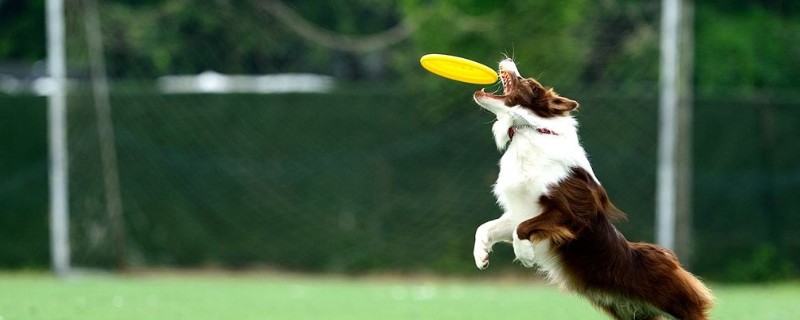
{"x": 524, "y": 101}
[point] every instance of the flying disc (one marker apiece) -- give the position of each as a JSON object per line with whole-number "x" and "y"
{"x": 458, "y": 68}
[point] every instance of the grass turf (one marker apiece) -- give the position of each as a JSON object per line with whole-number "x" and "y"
{"x": 240, "y": 297}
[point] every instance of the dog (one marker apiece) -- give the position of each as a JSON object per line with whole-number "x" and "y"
{"x": 559, "y": 218}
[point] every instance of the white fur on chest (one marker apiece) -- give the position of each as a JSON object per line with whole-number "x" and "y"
{"x": 532, "y": 163}
{"x": 525, "y": 174}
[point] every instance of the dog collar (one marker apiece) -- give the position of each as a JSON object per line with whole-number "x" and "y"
{"x": 512, "y": 130}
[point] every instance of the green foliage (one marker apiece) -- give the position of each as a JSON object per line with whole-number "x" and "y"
{"x": 22, "y": 30}
{"x": 740, "y": 46}
{"x": 763, "y": 264}
{"x": 746, "y": 51}
{"x": 181, "y": 37}
{"x": 240, "y": 37}
{"x": 539, "y": 35}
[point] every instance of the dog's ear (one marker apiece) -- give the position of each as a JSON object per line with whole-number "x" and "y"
{"x": 562, "y": 104}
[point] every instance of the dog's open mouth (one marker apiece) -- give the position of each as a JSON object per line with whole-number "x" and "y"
{"x": 507, "y": 80}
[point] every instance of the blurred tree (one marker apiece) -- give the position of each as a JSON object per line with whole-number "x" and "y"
{"x": 612, "y": 46}
{"x": 358, "y": 36}
{"x": 747, "y": 50}
{"x": 22, "y": 35}
{"x": 179, "y": 36}
{"x": 624, "y": 38}
{"x": 542, "y": 32}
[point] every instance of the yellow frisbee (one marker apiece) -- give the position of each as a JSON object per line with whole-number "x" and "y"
{"x": 459, "y": 69}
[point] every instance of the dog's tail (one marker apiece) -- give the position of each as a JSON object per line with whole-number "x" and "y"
{"x": 699, "y": 294}
{"x": 692, "y": 299}
{"x": 670, "y": 287}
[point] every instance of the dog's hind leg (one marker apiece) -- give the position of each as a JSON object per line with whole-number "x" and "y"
{"x": 525, "y": 251}
{"x": 617, "y": 314}
{"x": 546, "y": 226}
{"x": 624, "y": 309}
{"x": 686, "y": 311}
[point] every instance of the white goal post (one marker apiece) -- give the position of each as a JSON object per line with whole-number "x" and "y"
{"x": 674, "y": 143}
{"x": 57, "y": 138}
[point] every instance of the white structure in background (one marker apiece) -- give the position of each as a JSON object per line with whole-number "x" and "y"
{"x": 57, "y": 138}
{"x": 673, "y": 189}
{"x": 42, "y": 86}
{"x": 9, "y": 84}
{"x": 214, "y": 82}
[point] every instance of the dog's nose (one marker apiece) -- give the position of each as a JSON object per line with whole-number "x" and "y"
{"x": 509, "y": 66}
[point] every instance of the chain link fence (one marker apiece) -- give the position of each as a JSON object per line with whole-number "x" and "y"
{"x": 385, "y": 167}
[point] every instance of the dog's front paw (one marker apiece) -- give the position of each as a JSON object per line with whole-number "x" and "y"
{"x": 482, "y": 248}
{"x": 524, "y": 251}
{"x": 481, "y": 255}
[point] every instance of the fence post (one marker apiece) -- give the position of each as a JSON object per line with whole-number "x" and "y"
{"x": 105, "y": 133}
{"x": 57, "y": 139}
{"x": 673, "y": 202}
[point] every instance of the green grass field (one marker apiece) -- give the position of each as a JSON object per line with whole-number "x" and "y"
{"x": 277, "y": 296}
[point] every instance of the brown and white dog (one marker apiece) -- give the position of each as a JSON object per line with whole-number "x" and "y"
{"x": 559, "y": 218}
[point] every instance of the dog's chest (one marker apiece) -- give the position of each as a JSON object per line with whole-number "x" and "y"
{"x": 526, "y": 172}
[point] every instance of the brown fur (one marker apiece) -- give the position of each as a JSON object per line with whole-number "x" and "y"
{"x": 529, "y": 93}
{"x": 627, "y": 280}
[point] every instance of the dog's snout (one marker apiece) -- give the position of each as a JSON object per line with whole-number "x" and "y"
{"x": 508, "y": 65}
